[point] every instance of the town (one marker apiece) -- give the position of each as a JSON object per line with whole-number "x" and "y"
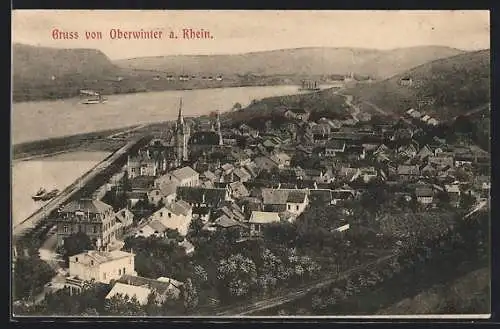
{"x": 214, "y": 215}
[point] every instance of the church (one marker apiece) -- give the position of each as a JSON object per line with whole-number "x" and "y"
{"x": 177, "y": 148}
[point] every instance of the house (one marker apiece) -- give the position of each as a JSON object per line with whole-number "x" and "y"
{"x": 274, "y": 200}
{"x": 454, "y": 193}
{"x": 153, "y": 227}
{"x": 424, "y": 195}
{"x": 101, "y": 266}
{"x": 408, "y": 172}
{"x": 282, "y": 159}
{"x": 367, "y": 174}
{"x": 242, "y": 175}
{"x": 342, "y": 194}
{"x": 320, "y": 196}
{"x": 175, "y": 216}
{"x": 297, "y": 113}
{"x": 143, "y": 164}
{"x": 142, "y": 183}
{"x": 406, "y": 82}
{"x": 226, "y": 222}
{"x": 265, "y": 163}
{"x": 133, "y": 197}
{"x": 296, "y": 202}
{"x": 165, "y": 193}
{"x": 334, "y": 146}
{"x": 163, "y": 288}
{"x": 425, "y": 152}
{"x": 407, "y": 151}
{"x": 442, "y": 159}
{"x": 321, "y": 132}
{"x": 238, "y": 190}
{"x": 141, "y": 294}
{"x": 425, "y": 118}
{"x": 259, "y": 219}
{"x": 203, "y": 197}
{"x": 92, "y": 217}
{"x": 125, "y": 217}
{"x": 185, "y": 176}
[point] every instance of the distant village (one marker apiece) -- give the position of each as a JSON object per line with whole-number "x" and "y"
{"x": 245, "y": 179}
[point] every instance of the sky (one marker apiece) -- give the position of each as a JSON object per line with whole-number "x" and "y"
{"x": 249, "y": 31}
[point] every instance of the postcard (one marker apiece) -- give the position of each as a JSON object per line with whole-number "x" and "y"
{"x": 250, "y": 164}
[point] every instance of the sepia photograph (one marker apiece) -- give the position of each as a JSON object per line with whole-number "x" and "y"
{"x": 250, "y": 164}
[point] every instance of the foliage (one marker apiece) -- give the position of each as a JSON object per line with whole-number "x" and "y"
{"x": 189, "y": 295}
{"x": 75, "y": 244}
{"x": 120, "y": 305}
{"x": 156, "y": 256}
{"x": 237, "y": 275}
{"x": 30, "y": 275}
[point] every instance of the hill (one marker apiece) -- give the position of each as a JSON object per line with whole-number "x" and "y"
{"x": 312, "y": 61}
{"x": 444, "y": 88}
{"x": 42, "y": 72}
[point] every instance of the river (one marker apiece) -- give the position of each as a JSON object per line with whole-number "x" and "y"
{"x": 52, "y": 172}
{"x": 46, "y": 119}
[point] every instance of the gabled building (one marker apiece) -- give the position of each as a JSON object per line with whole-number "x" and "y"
{"x": 101, "y": 266}
{"x": 259, "y": 219}
{"x": 93, "y": 217}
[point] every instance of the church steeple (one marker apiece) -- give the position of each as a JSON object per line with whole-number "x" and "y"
{"x": 181, "y": 137}
{"x": 180, "y": 118}
{"x": 218, "y": 128}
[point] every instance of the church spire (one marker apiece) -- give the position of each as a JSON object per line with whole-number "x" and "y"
{"x": 180, "y": 119}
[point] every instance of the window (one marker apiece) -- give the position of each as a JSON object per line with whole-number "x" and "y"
{"x": 169, "y": 215}
{"x": 157, "y": 192}
{"x": 289, "y": 207}
{"x": 66, "y": 228}
{"x": 119, "y": 272}
{"x": 91, "y": 263}
{"x": 95, "y": 228}
{"x": 124, "y": 270}
{"x": 104, "y": 275}
{"x": 76, "y": 259}
{"x": 161, "y": 213}
{"x": 296, "y": 207}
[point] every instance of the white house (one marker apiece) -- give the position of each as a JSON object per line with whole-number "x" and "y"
{"x": 185, "y": 176}
{"x": 259, "y": 219}
{"x": 101, "y": 266}
{"x": 296, "y": 202}
{"x": 175, "y": 216}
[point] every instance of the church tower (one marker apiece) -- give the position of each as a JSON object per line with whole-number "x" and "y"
{"x": 181, "y": 137}
{"x": 218, "y": 128}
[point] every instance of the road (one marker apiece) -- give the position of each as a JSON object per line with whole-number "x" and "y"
{"x": 295, "y": 293}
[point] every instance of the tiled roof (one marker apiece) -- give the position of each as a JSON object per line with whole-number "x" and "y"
{"x": 179, "y": 207}
{"x": 273, "y": 196}
{"x": 92, "y": 206}
{"x": 296, "y": 196}
{"x": 184, "y": 173}
{"x": 199, "y": 194}
{"x": 99, "y": 257}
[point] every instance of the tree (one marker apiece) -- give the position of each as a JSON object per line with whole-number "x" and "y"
{"x": 30, "y": 275}
{"x": 189, "y": 295}
{"x": 124, "y": 305}
{"x": 76, "y": 243}
{"x": 237, "y": 275}
{"x": 237, "y": 107}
